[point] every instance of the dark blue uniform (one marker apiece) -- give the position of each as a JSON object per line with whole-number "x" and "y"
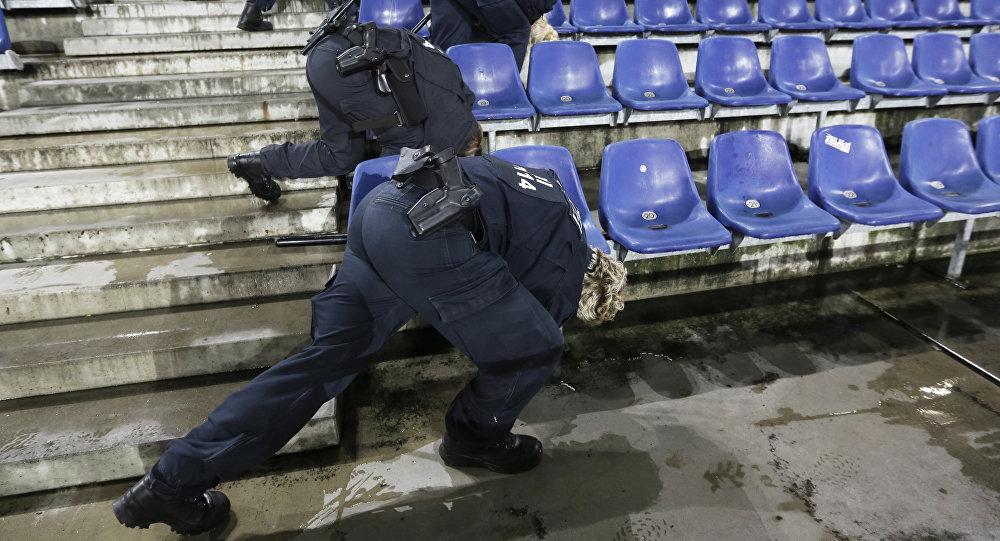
{"x": 501, "y": 300}
{"x": 345, "y": 100}
{"x": 500, "y": 21}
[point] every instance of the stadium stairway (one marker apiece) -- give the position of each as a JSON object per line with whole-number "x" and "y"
{"x": 138, "y": 281}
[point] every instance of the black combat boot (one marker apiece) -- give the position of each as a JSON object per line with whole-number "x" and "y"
{"x": 252, "y": 20}
{"x": 515, "y": 453}
{"x": 249, "y": 168}
{"x": 142, "y": 506}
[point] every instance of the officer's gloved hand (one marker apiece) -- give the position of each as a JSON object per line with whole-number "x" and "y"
{"x": 248, "y": 167}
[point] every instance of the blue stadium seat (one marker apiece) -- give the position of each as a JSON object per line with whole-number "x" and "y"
{"x": 945, "y": 12}
{"x": 728, "y": 15}
{"x": 850, "y": 177}
{"x": 939, "y": 58}
{"x": 666, "y": 16}
{"x": 879, "y": 65}
{"x": 752, "y": 188}
{"x": 602, "y": 17}
{"x": 937, "y": 163}
{"x": 648, "y": 76}
{"x": 800, "y": 67}
{"x": 557, "y": 20}
{"x": 490, "y": 71}
{"x": 988, "y": 146}
{"x": 899, "y": 13}
{"x": 395, "y": 13}
{"x": 648, "y": 202}
{"x": 984, "y": 55}
{"x": 789, "y": 15}
{"x": 367, "y": 175}
{"x": 4, "y": 35}
{"x": 561, "y": 161}
{"x": 987, "y": 10}
{"x": 847, "y": 14}
{"x": 564, "y": 78}
{"x": 728, "y": 72}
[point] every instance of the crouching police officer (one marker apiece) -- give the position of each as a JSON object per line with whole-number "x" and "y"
{"x": 368, "y": 79}
{"x": 492, "y": 254}
{"x": 498, "y": 21}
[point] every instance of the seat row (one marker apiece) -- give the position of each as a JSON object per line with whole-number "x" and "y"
{"x": 648, "y": 202}
{"x": 612, "y": 16}
{"x": 565, "y": 80}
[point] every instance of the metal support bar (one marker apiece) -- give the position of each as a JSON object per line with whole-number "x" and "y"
{"x": 960, "y": 249}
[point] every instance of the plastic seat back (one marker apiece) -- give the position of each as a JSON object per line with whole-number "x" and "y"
{"x": 561, "y": 161}
{"x": 4, "y": 35}
{"x": 648, "y": 201}
{"x": 850, "y": 177}
{"x": 846, "y": 14}
{"x": 937, "y": 162}
{"x": 723, "y": 12}
{"x": 648, "y": 75}
{"x": 367, "y": 175}
{"x": 879, "y": 64}
{"x": 491, "y": 72}
{"x": 752, "y": 188}
{"x": 984, "y": 55}
{"x": 557, "y": 19}
{"x": 788, "y": 14}
{"x": 988, "y": 10}
{"x": 728, "y": 71}
{"x": 800, "y": 67}
{"x": 395, "y": 13}
{"x": 654, "y": 13}
{"x": 943, "y": 10}
{"x": 601, "y": 16}
{"x": 988, "y": 146}
{"x": 564, "y": 78}
{"x": 938, "y": 57}
{"x": 898, "y": 12}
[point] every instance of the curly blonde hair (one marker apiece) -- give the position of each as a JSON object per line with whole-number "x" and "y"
{"x": 603, "y": 283}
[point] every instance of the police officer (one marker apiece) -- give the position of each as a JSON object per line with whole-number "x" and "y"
{"x": 498, "y": 21}
{"x": 428, "y": 104}
{"x": 497, "y": 281}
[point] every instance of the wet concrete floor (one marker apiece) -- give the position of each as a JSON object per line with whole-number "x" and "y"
{"x": 788, "y": 411}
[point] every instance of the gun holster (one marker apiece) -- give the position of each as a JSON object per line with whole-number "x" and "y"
{"x": 450, "y": 198}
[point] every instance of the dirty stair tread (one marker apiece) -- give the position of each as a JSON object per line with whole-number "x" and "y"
{"x": 64, "y": 440}
{"x": 36, "y": 191}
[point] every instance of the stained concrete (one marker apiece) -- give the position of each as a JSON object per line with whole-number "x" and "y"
{"x": 791, "y": 411}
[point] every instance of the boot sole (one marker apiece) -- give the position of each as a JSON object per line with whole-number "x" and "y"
{"x": 460, "y": 461}
{"x": 118, "y": 507}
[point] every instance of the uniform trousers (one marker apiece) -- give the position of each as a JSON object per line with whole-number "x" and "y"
{"x": 387, "y": 276}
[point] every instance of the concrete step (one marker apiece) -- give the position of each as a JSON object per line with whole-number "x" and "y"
{"x": 98, "y": 352}
{"x": 78, "y": 118}
{"x": 62, "y": 68}
{"x": 68, "y": 151}
{"x": 194, "y": 9}
{"x": 121, "y": 283}
{"x": 33, "y": 191}
{"x": 99, "y": 436}
{"x": 119, "y": 349}
{"x": 186, "y": 23}
{"x": 163, "y": 87}
{"x": 199, "y": 41}
{"x": 163, "y": 224}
